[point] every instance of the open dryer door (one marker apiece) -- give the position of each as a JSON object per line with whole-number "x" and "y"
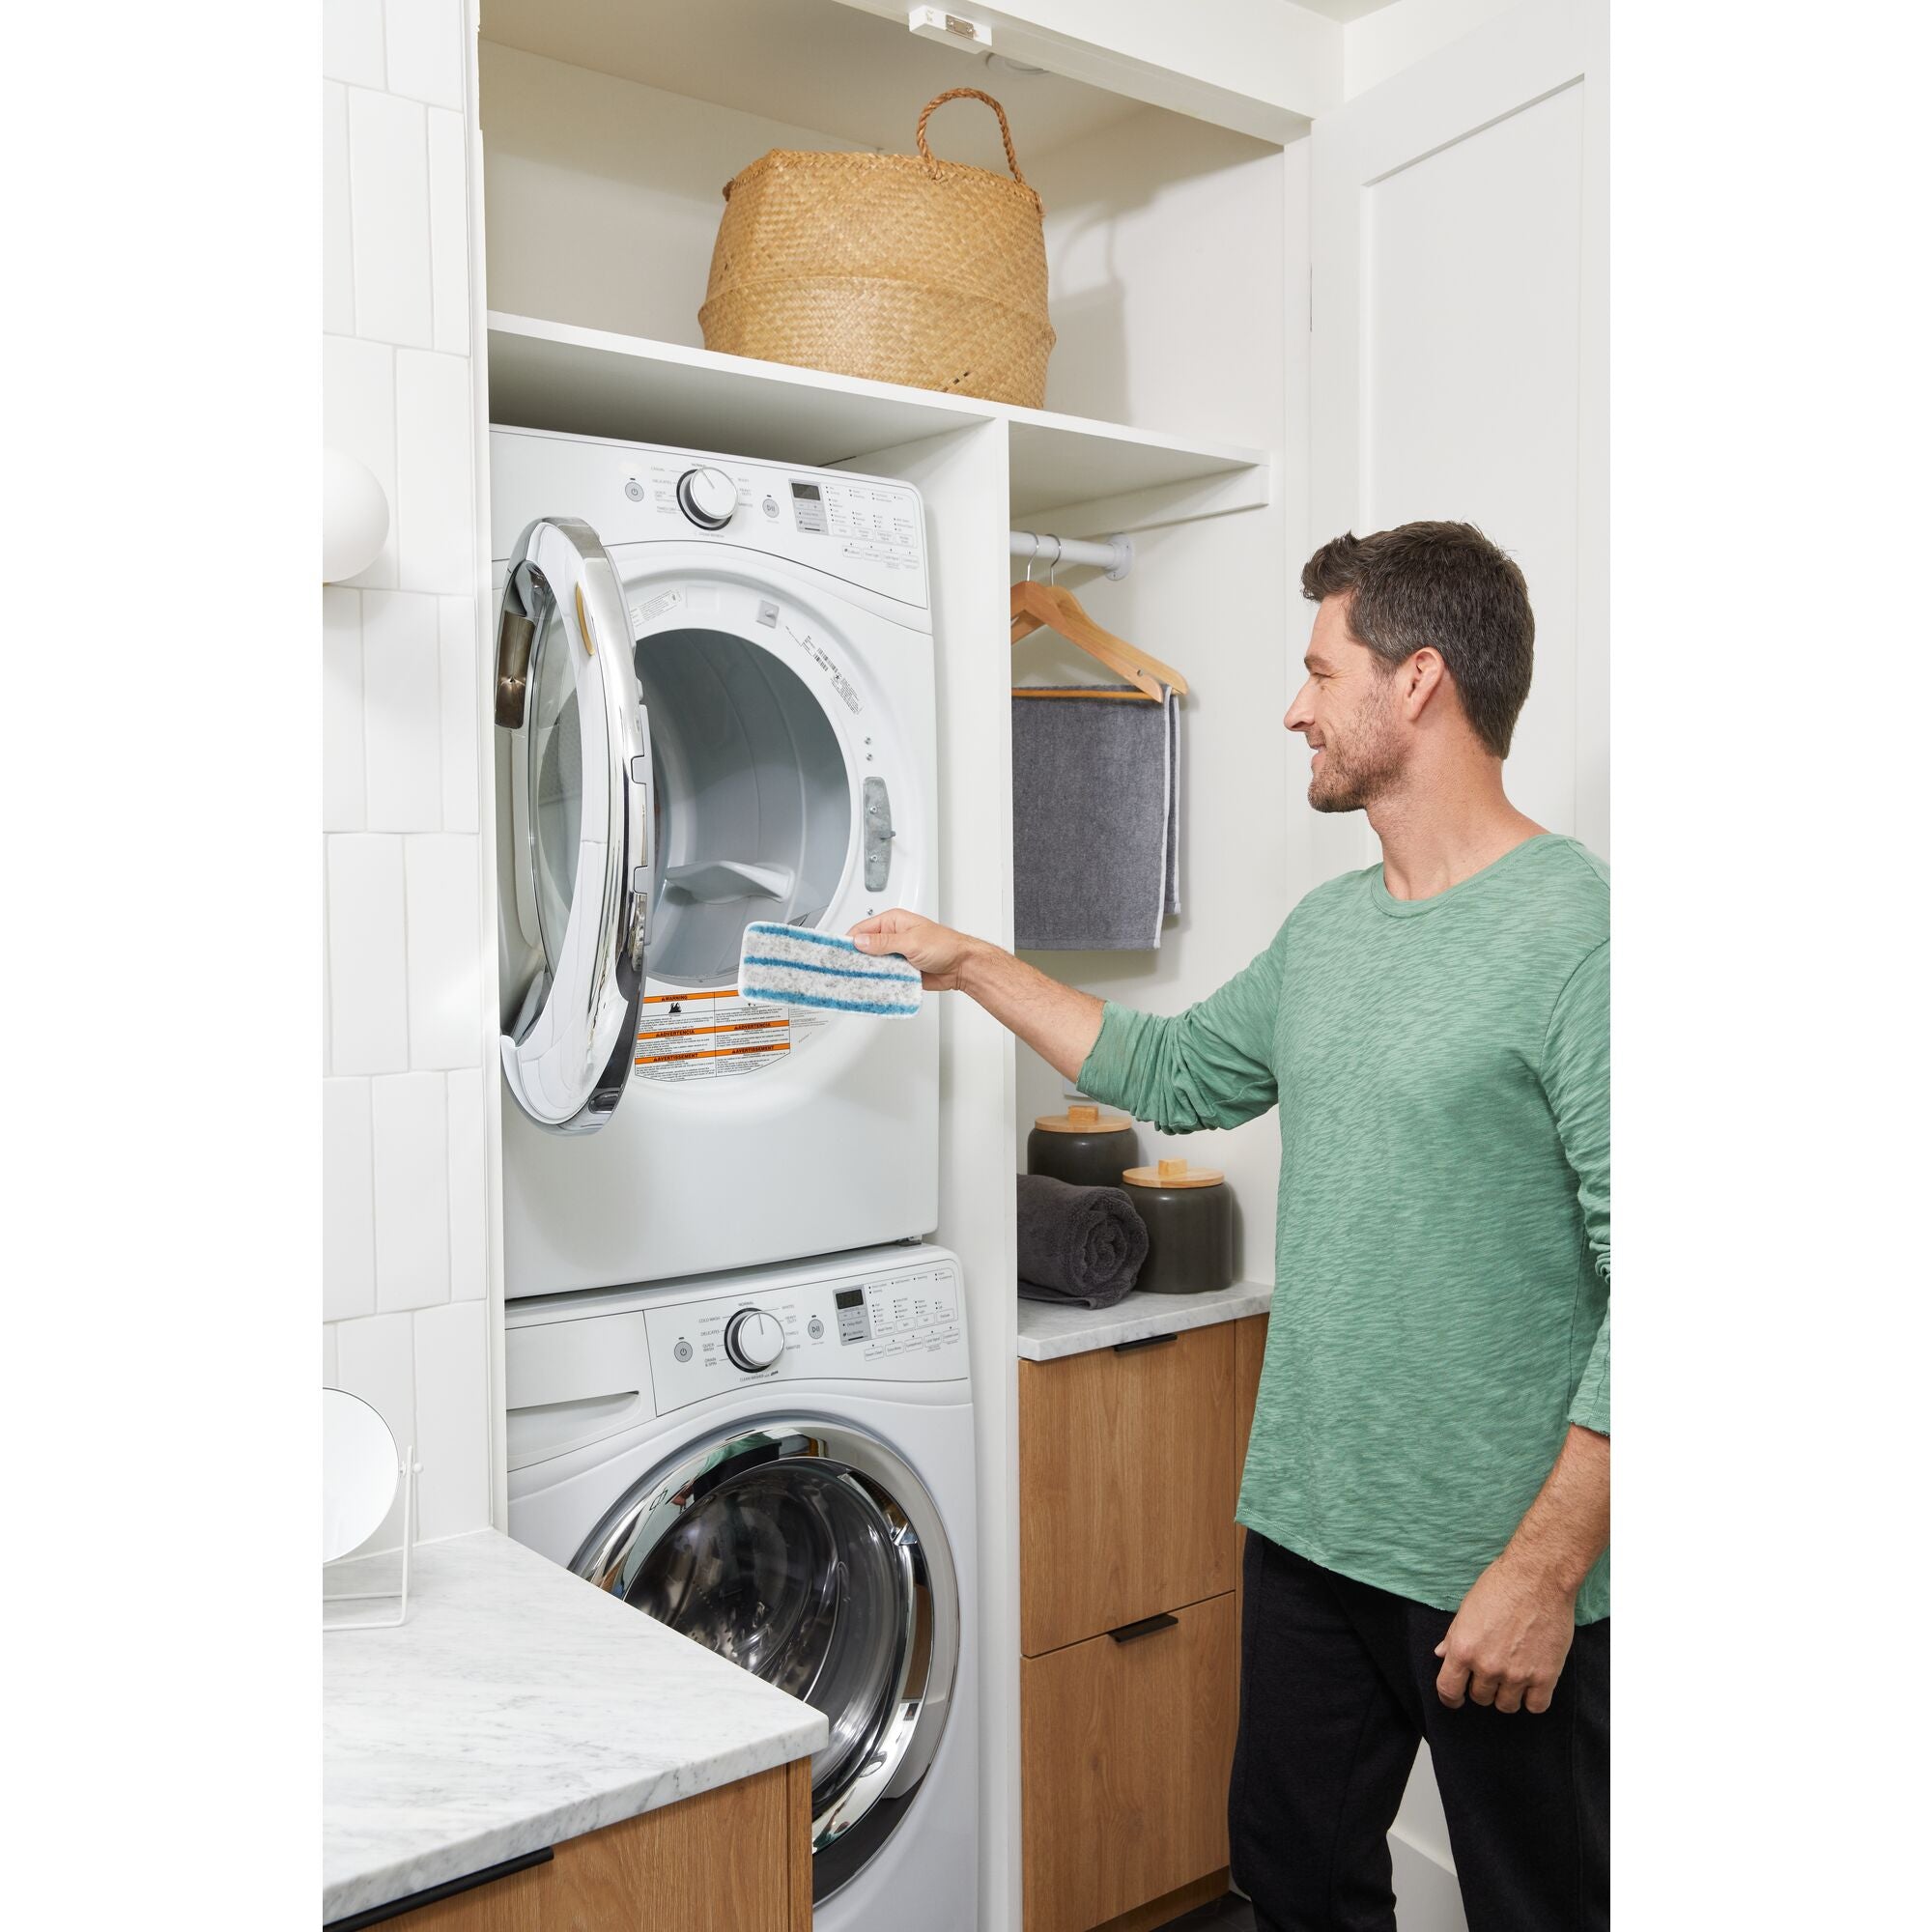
{"x": 581, "y": 826}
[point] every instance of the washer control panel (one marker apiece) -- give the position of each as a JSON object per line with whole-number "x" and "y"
{"x": 896, "y": 1325}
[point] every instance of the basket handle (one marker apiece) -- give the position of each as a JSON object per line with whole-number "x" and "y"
{"x": 971, "y": 94}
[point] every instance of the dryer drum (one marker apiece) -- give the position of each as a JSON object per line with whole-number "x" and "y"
{"x": 808, "y": 1553}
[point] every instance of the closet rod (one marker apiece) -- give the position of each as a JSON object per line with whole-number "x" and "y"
{"x": 1114, "y": 556}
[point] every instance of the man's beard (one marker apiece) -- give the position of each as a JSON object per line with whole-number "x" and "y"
{"x": 1355, "y": 779}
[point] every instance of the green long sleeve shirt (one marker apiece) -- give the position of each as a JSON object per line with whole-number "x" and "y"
{"x": 1442, "y": 1247}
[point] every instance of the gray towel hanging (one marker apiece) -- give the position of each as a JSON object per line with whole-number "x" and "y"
{"x": 1096, "y": 820}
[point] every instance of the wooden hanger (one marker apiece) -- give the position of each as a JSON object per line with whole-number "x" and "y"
{"x": 1046, "y": 607}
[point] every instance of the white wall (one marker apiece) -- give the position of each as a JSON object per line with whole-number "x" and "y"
{"x": 404, "y": 1103}
{"x": 1165, "y": 278}
{"x": 1392, "y": 37}
{"x": 604, "y": 195}
{"x": 1177, "y": 259}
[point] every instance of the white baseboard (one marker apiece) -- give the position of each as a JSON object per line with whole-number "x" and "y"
{"x": 1427, "y": 1898}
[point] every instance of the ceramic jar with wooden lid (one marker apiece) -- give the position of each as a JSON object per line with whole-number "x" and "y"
{"x": 1083, "y": 1146}
{"x": 1190, "y": 1212}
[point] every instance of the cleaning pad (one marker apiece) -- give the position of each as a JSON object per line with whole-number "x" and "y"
{"x": 799, "y": 968}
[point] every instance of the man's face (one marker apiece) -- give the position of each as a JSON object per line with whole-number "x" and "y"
{"x": 1346, "y": 711}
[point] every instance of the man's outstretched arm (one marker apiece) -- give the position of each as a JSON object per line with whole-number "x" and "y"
{"x": 1060, "y": 1023}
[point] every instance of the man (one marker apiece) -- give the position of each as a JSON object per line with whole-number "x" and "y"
{"x": 1427, "y": 1488}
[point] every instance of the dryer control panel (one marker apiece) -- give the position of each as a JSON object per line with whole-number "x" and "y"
{"x": 896, "y": 1325}
{"x": 865, "y": 530}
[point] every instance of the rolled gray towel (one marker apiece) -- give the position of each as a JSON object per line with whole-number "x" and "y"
{"x": 1077, "y": 1244}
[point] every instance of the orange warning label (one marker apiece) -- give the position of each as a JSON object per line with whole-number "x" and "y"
{"x": 709, "y": 1036}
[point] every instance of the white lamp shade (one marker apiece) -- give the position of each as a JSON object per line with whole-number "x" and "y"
{"x": 359, "y": 1470}
{"x": 355, "y": 516}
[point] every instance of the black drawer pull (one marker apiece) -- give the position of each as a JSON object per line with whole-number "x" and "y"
{"x": 378, "y": 1915}
{"x": 1145, "y": 1342}
{"x": 1147, "y": 1627}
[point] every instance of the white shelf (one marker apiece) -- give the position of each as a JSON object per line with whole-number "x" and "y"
{"x": 586, "y": 382}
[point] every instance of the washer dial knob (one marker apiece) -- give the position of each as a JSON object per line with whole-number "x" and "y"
{"x": 754, "y": 1340}
{"x": 708, "y": 498}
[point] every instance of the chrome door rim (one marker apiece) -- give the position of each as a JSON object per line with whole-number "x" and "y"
{"x": 902, "y": 1751}
{"x": 568, "y": 1057}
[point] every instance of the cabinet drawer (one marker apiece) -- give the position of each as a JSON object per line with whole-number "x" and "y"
{"x": 1127, "y": 1482}
{"x": 1126, "y": 1748}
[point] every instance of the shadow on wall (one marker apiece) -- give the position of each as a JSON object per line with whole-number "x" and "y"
{"x": 1097, "y": 194}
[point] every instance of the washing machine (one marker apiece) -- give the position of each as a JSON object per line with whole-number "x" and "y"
{"x": 714, "y": 704}
{"x": 779, "y": 1463}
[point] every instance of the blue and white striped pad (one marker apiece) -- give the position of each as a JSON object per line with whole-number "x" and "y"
{"x": 799, "y": 968}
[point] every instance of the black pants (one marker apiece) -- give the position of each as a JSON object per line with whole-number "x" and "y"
{"x": 1338, "y": 1684}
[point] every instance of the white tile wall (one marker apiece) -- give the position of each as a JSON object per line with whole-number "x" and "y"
{"x": 452, "y": 1417}
{"x": 458, "y": 616}
{"x": 449, "y": 232}
{"x": 468, "y": 1159}
{"x": 352, "y": 40}
{"x": 344, "y": 805}
{"x": 376, "y": 1360}
{"x": 410, "y": 1062}
{"x": 338, "y": 260}
{"x": 348, "y": 1201}
{"x": 402, "y": 697}
{"x": 358, "y": 417}
{"x": 410, "y": 1138}
{"x": 436, "y": 510}
{"x": 368, "y": 988}
{"x": 446, "y": 984}
{"x": 388, "y": 198}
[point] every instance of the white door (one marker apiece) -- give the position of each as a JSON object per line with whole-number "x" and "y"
{"x": 1458, "y": 370}
{"x": 1457, "y": 358}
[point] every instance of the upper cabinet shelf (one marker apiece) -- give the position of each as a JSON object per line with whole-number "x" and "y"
{"x": 588, "y": 382}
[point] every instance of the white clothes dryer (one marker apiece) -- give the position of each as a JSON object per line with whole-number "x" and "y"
{"x": 777, "y": 1463}
{"x": 714, "y": 702}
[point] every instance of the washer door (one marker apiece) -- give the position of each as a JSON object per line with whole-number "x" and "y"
{"x": 580, "y": 783}
{"x": 808, "y": 1553}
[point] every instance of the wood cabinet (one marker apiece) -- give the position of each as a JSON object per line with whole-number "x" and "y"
{"x": 734, "y": 1859}
{"x": 1130, "y": 1623}
{"x": 1127, "y": 1484}
{"x": 1126, "y": 1743}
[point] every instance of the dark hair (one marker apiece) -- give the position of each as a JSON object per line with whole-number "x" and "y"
{"x": 1447, "y": 586}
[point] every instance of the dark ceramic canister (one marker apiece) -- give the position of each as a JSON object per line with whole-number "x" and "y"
{"x": 1190, "y": 1212}
{"x": 1083, "y": 1146}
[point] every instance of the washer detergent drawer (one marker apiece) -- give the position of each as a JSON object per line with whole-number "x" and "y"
{"x": 571, "y": 1384}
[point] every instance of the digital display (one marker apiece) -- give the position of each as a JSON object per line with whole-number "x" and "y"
{"x": 850, "y": 1297}
{"x": 805, "y": 492}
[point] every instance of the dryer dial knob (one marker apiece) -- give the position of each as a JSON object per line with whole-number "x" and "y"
{"x": 754, "y": 1340}
{"x": 708, "y": 498}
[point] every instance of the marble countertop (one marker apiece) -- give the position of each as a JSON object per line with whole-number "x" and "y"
{"x": 518, "y": 1707}
{"x": 1048, "y": 1331}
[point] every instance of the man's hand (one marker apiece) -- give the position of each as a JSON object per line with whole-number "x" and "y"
{"x": 1509, "y": 1641}
{"x": 1512, "y": 1632}
{"x": 937, "y": 951}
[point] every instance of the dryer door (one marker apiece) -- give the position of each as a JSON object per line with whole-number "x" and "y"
{"x": 576, "y": 800}
{"x": 810, "y": 1553}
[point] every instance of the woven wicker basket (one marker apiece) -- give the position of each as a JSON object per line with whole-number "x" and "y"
{"x": 897, "y": 267}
